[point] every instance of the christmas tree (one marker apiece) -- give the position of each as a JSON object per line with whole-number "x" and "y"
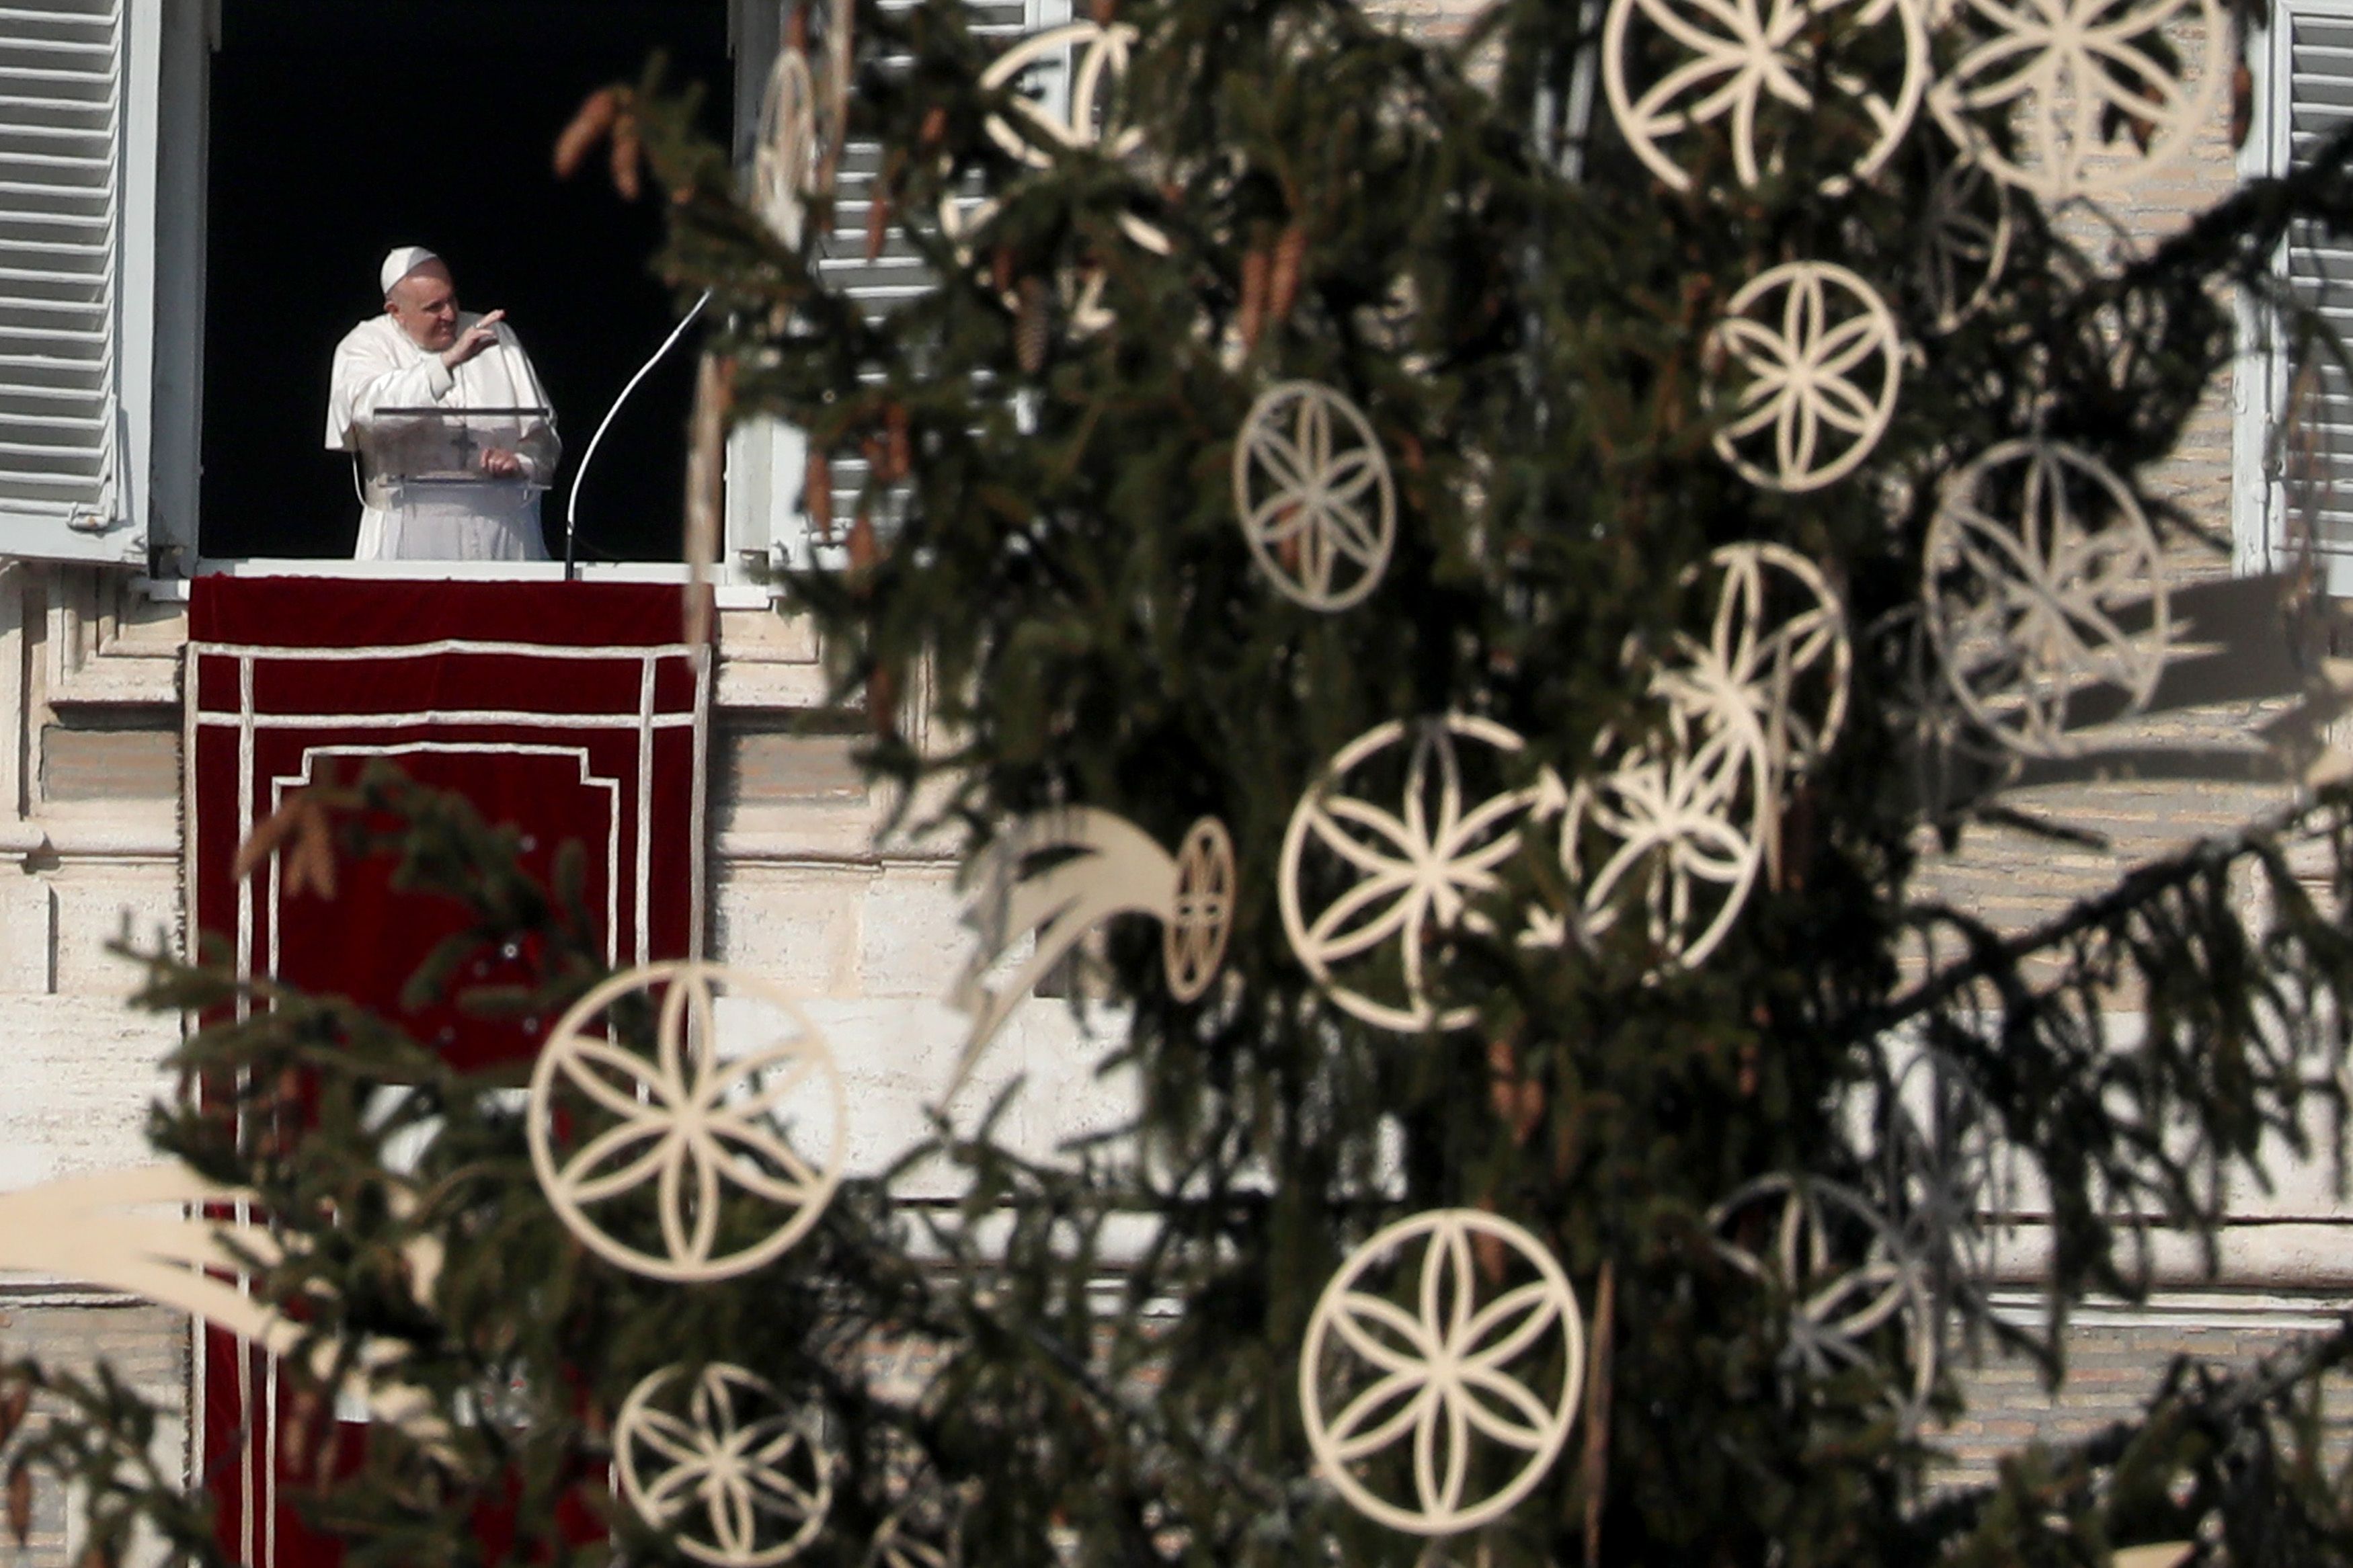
{"x": 1454, "y": 579}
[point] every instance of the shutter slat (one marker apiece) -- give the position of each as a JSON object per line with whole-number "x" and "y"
{"x": 68, "y": 316}
{"x": 77, "y": 429}
{"x": 62, "y": 457}
{"x": 72, "y": 165}
{"x": 88, "y": 85}
{"x": 34, "y": 277}
{"x": 92, "y": 135}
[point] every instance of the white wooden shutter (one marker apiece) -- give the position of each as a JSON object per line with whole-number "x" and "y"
{"x": 2316, "y": 460}
{"x": 62, "y": 70}
{"x": 897, "y": 274}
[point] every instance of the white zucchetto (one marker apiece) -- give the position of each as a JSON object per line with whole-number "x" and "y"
{"x": 401, "y": 261}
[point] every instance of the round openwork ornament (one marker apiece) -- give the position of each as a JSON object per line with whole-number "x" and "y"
{"x": 1666, "y": 828}
{"x": 926, "y": 1531}
{"x": 2099, "y": 93}
{"x": 1836, "y": 80}
{"x": 729, "y": 1469}
{"x": 1315, "y": 494}
{"x": 1193, "y": 939}
{"x": 681, "y": 1164}
{"x": 1856, "y": 1295}
{"x": 1813, "y": 361}
{"x": 1085, "y": 116}
{"x": 1433, "y": 1401}
{"x": 1776, "y": 660}
{"x": 788, "y": 157}
{"x": 1964, "y": 242}
{"x": 2044, "y": 585}
{"x": 1387, "y": 852}
{"x": 899, "y": 1547}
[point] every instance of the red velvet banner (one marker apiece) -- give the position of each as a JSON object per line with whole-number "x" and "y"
{"x": 573, "y": 712}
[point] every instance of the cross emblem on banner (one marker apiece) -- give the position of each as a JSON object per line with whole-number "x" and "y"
{"x": 467, "y": 447}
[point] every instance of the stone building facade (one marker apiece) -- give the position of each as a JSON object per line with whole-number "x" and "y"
{"x": 90, "y": 852}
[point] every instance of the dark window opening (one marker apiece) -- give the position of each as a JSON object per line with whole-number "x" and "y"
{"x": 341, "y": 128}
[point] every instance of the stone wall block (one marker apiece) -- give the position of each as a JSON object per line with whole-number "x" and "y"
{"x": 29, "y": 933}
{"x": 148, "y": 1346}
{"x": 76, "y": 1076}
{"x": 97, "y": 905}
{"x": 913, "y": 941}
{"x": 795, "y": 926}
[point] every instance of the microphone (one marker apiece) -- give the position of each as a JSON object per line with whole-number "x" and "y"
{"x": 580, "y": 475}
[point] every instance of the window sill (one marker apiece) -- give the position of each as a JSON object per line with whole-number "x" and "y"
{"x": 731, "y": 596}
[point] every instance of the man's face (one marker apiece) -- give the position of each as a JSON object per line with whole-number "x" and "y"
{"x": 424, "y": 303}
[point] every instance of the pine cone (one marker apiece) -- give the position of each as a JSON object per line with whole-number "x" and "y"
{"x": 20, "y": 1502}
{"x": 878, "y": 216}
{"x": 302, "y": 1432}
{"x": 900, "y": 443}
{"x": 1258, "y": 269}
{"x": 1282, "y": 288}
{"x": 1031, "y": 327}
{"x": 1489, "y": 1251}
{"x": 1519, "y": 1099}
{"x": 302, "y": 832}
{"x": 627, "y": 148}
{"x": 817, "y": 495}
{"x": 882, "y": 702}
{"x": 588, "y": 126}
{"x": 282, "y": 1124}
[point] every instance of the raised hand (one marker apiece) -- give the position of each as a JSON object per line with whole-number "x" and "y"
{"x": 473, "y": 339}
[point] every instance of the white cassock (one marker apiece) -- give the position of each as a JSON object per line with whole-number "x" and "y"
{"x": 378, "y": 366}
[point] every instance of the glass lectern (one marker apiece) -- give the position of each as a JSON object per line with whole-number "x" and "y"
{"x": 423, "y": 470}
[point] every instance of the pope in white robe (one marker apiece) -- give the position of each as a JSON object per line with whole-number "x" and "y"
{"x": 439, "y": 483}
